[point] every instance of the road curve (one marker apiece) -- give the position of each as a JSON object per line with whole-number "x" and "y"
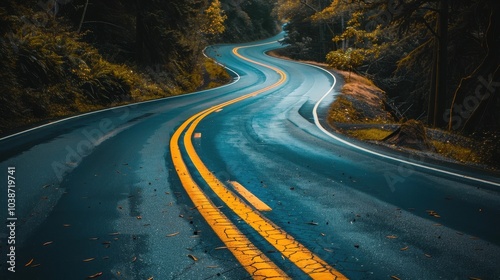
{"x": 102, "y": 193}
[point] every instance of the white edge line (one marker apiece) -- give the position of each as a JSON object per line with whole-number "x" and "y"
{"x": 318, "y": 124}
{"x": 127, "y": 105}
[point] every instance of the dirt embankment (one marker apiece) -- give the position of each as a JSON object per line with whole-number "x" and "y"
{"x": 361, "y": 111}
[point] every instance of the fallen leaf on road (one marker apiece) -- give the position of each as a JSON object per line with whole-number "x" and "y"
{"x": 28, "y": 263}
{"x": 433, "y": 213}
{"x": 391, "y": 236}
{"x": 193, "y": 257}
{"x": 404, "y": 249}
{"x": 94, "y": 275}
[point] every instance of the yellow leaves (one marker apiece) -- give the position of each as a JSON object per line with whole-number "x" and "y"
{"x": 433, "y": 213}
{"x": 214, "y": 19}
{"x": 347, "y": 60}
{"x": 286, "y": 9}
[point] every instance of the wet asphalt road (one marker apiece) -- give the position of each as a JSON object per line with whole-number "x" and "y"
{"x": 98, "y": 194}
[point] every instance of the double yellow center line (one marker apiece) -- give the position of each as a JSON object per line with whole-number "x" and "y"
{"x": 251, "y": 258}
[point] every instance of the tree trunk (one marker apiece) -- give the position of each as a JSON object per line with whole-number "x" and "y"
{"x": 139, "y": 33}
{"x": 431, "y": 106}
{"x": 441, "y": 68}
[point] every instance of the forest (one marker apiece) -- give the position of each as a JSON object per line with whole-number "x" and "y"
{"x": 64, "y": 57}
{"x": 437, "y": 59}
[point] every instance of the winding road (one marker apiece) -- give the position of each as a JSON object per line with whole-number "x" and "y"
{"x": 238, "y": 182}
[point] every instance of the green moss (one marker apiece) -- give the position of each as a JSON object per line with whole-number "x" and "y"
{"x": 371, "y": 134}
{"x": 343, "y": 111}
{"x": 457, "y": 152}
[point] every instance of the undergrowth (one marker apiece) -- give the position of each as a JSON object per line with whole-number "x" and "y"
{"x": 351, "y": 108}
{"x": 48, "y": 71}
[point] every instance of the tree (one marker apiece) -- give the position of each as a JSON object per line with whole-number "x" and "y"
{"x": 414, "y": 41}
{"x": 308, "y": 36}
{"x": 213, "y": 23}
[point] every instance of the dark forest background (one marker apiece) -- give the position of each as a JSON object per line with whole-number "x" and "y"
{"x": 63, "y": 57}
{"x": 438, "y": 60}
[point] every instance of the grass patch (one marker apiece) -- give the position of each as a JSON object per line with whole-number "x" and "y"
{"x": 457, "y": 152}
{"x": 343, "y": 111}
{"x": 370, "y": 134}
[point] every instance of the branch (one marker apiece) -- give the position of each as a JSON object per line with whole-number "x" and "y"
{"x": 309, "y": 6}
{"x": 422, "y": 20}
{"x": 108, "y": 23}
{"x": 83, "y": 16}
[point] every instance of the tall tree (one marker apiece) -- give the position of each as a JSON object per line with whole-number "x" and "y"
{"x": 439, "y": 89}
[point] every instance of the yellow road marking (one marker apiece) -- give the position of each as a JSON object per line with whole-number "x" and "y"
{"x": 250, "y": 197}
{"x": 304, "y": 259}
{"x": 251, "y": 258}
